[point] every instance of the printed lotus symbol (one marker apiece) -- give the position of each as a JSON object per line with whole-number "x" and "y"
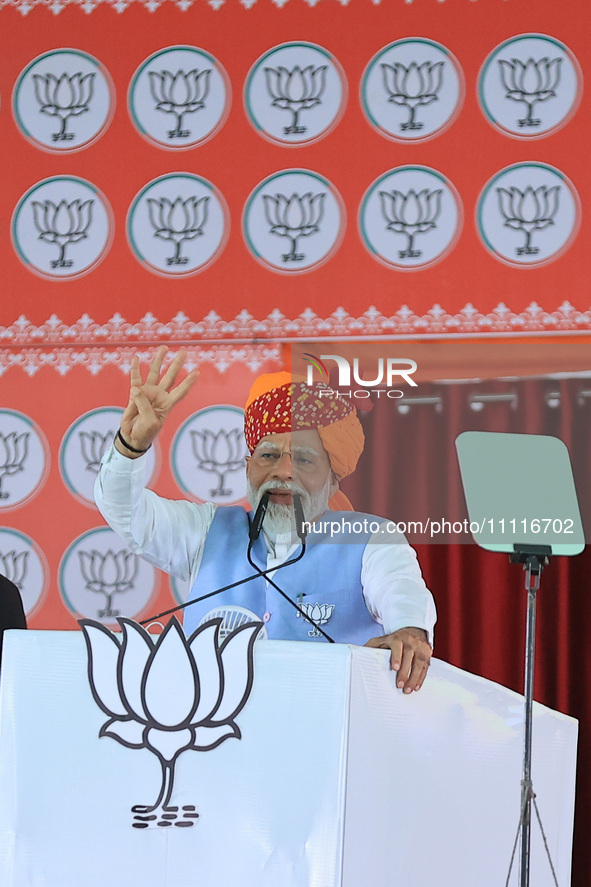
{"x": 62, "y": 224}
{"x": 178, "y": 220}
{"x": 108, "y": 574}
{"x": 294, "y": 217}
{"x": 318, "y": 614}
{"x": 295, "y": 91}
{"x": 219, "y": 453}
{"x": 14, "y": 449}
{"x": 64, "y": 97}
{"x": 411, "y": 214}
{"x": 14, "y": 567}
{"x": 530, "y": 82}
{"x": 413, "y": 86}
{"x": 93, "y": 445}
{"x": 179, "y": 94}
{"x": 170, "y": 694}
{"x": 528, "y": 211}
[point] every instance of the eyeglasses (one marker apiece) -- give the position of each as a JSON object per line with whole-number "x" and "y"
{"x": 303, "y": 459}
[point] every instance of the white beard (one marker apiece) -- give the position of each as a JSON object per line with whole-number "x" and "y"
{"x": 281, "y": 518}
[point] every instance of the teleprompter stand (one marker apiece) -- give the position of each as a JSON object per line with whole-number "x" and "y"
{"x": 521, "y": 496}
{"x": 534, "y": 559}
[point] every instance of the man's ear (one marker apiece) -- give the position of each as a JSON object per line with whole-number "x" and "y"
{"x": 334, "y": 483}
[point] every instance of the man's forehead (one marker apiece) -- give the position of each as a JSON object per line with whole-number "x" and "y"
{"x": 308, "y": 438}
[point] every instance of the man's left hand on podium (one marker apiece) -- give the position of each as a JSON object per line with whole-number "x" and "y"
{"x": 410, "y": 656}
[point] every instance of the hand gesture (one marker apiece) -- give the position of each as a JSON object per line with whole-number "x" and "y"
{"x": 151, "y": 401}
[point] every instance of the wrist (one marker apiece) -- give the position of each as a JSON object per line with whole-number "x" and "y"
{"x": 127, "y": 449}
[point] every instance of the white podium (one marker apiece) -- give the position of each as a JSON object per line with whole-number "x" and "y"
{"x": 338, "y": 779}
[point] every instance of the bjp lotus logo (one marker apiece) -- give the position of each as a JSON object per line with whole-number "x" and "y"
{"x": 108, "y": 573}
{"x": 178, "y": 220}
{"x": 93, "y": 445}
{"x": 318, "y": 614}
{"x": 179, "y": 94}
{"x": 294, "y": 217}
{"x": 296, "y": 91}
{"x": 530, "y": 82}
{"x": 219, "y": 453}
{"x": 13, "y": 454}
{"x": 63, "y": 224}
{"x": 413, "y": 86}
{"x": 411, "y": 214}
{"x": 13, "y": 565}
{"x": 528, "y": 211}
{"x": 64, "y": 97}
{"x": 131, "y": 675}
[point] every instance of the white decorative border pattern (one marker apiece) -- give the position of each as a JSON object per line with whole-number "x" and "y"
{"x": 253, "y": 342}
{"x": 56, "y": 6}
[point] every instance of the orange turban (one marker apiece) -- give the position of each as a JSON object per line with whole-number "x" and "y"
{"x": 278, "y": 403}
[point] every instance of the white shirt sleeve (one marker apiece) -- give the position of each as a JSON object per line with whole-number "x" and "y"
{"x": 168, "y": 533}
{"x": 394, "y": 590}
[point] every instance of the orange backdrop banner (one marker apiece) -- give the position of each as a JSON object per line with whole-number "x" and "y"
{"x": 257, "y": 170}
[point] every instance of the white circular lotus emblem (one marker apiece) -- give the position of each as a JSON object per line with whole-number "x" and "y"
{"x": 178, "y": 225}
{"x": 410, "y": 217}
{"x": 82, "y": 449}
{"x": 295, "y": 93}
{"x": 528, "y": 214}
{"x": 23, "y": 562}
{"x": 294, "y": 221}
{"x": 530, "y": 86}
{"x": 101, "y": 579}
{"x": 24, "y": 459}
{"x": 179, "y": 97}
{"x": 208, "y": 455}
{"x": 63, "y": 100}
{"x": 62, "y": 227}
{"x": 412, "y": 90}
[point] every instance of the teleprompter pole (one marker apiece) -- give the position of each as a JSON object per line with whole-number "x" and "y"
{"x": 534, "y": 559}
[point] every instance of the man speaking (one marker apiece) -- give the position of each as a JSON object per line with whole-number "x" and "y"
{"x": 301, "y": 444}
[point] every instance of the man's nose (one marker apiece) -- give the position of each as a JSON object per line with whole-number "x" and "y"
{"x": 283, "y": 466}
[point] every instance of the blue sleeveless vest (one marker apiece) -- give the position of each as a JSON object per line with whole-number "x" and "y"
{"x": 329, "y": 575}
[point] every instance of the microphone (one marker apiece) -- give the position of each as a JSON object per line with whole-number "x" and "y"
{"x": 257, "y": 522}
{"x": 300, "y": 520}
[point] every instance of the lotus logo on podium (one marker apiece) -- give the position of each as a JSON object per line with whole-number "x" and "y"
{"x": 131, "y": 676}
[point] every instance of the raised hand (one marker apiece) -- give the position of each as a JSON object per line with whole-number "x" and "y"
{"x": 151, "y": 401}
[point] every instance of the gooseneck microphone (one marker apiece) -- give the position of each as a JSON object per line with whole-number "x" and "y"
{"x": 300, "y": 519}
{"x": 257, "y": 522}
{"x": 254, "y": 532}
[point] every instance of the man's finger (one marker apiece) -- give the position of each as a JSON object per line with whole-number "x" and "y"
{"x": 135, "y": 375}
{"x": 169, "y": 377}
{"x": 156, "y": 366}
{"x": 406, "y": 667}
{"x": 183, "y": 388}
